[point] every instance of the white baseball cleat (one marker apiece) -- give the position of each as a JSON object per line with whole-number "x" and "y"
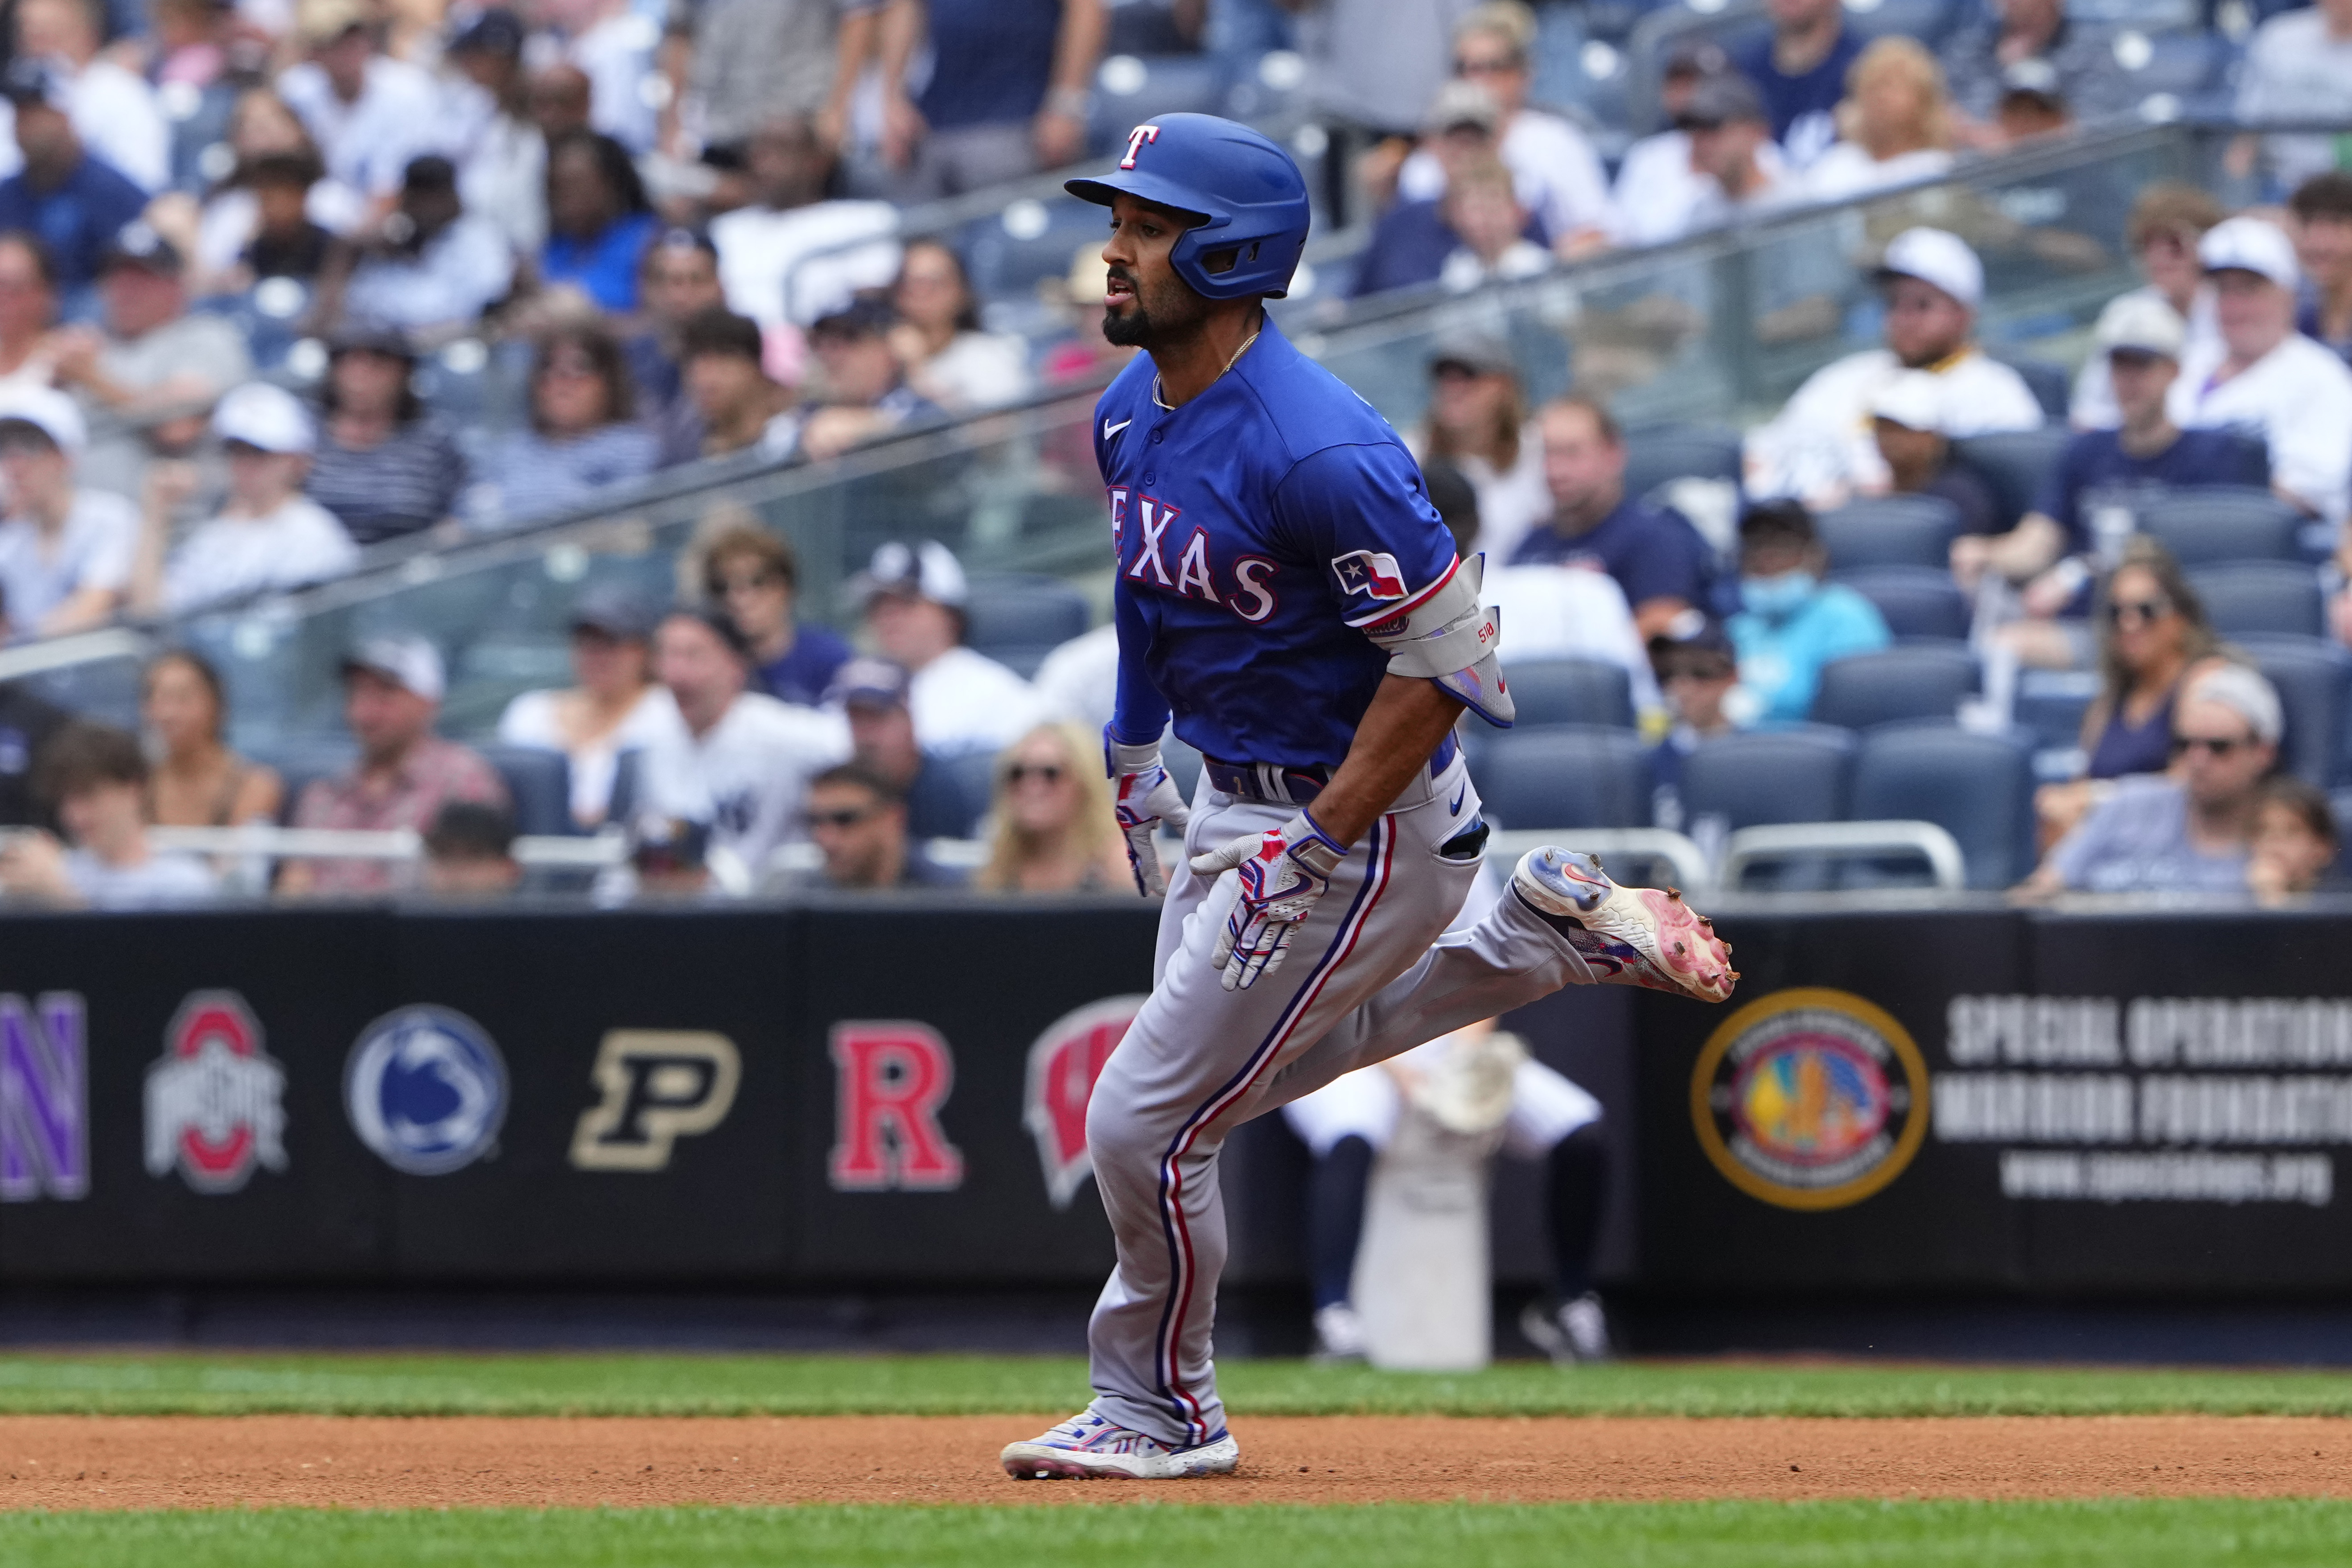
{"x": 1086, "y": 1448}
{"x": 1629, "y": 936}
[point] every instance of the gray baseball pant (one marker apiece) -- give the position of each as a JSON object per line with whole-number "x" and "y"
{"x": 1371, "y": 972}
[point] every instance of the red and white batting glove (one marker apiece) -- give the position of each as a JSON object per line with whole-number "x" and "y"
{"x": 1144, "y": 796}
{"x": 1283, "y": 871}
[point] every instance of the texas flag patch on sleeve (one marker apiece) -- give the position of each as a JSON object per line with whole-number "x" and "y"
{"x": 1372, "y": 573}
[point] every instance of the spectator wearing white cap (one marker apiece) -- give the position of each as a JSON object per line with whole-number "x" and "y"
{"x": 392, "y": 687}
{"x": 2187, "y": 830}
{"x": 1822, "y": 445}
{"x": 2298, "y": 65}
{"x": 2084, "y": 509}
{"x": 66, "y": 553}
{"x": 269, "y": 536}
{"x": 1907, "y": 417}
{"x": 2262, "y": 375}
{"x": 741, "y": 762}
{"x": 1557, "y": 173}
{"x": 613, "y": 706}
{"x": 962, "y": 701}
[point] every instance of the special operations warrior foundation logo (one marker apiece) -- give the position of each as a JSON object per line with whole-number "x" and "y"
{"x": 1809, "y": 1099}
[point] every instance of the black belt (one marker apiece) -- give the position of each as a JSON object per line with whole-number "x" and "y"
{"x": 1273, "y": 783}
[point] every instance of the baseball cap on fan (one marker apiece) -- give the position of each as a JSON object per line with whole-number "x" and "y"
{"x": 869, "y": 683}
{"x": 49, "y": 411}
{"x": 408, "y": 661}
{"x": 1938, "y": 257}
{"x": 2250, "y": 245}
{"x": 2140, "y": 324}
{"x": 28, "y": 81}
{"x": 1461, "y": 104}
{"x": 264, "y": 418}
{"x": 1914, "y": 400}
{"x": 927, "y": 570}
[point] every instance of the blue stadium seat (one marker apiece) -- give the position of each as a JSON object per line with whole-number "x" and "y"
{"x": 622, "y": 804}
{"x": 1018, "y": 620}
{"x": 1890, "y": 530}
{"x": 1977, "y": 788}
{"x": 1916, "y": 601}
{"x": 1925, "y": 20}
{"x": 2222, "y": 523}
{"x": 973, "y": 775}
{"x": 538, "y": 782}
{"x": 1129, "y": 88}
{"x": 1564, "y": 776}
{"x": 2186, "y": 65}
{"x": 302, "y": 761}
{"x": 2049, "y": 383}
{"x": 1918, "y": 681}
{"x": 1570, "y": 692}
{"x": 2015, "y": 463}
{"x": 1660, "y": 454}
{"x": 2259, "y": 596}
{"x": 2050, "y": 705}
{"x": 2314, "y": 681}
{"x": 1802, "y": 773}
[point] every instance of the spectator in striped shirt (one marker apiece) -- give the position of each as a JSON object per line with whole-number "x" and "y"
{"x": 385, "y": 464}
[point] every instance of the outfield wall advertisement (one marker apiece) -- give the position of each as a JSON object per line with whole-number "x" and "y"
{"x": 892, "y": 1094}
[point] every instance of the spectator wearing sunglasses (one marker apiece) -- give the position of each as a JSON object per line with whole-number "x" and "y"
{"x": 753, "y": 578}
{"x": 2192, "y": 830}
{"x": 1050, "y": 825}
{"x": 2153, "y": 636}
{"x": 581, "y": 436}
{"x": 858, "y": 821}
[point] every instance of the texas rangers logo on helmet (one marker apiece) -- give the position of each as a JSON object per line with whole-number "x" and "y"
{"x": 215, "y": 1097}
{"x": 1373, "y": 574}
{"x": 1063, "y": 1066}
{"x": 1135, "y": 141}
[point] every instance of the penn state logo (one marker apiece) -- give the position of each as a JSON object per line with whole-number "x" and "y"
{"x": 1063, "y": 1066}
{"x": 1809, "y": 1099}
{"x": 426, "y": 1089}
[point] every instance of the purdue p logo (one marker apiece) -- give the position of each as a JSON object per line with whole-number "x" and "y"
{"x": 658, "y": 1085}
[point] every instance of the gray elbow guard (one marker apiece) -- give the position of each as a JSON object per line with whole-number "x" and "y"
{"x": 1448, "y": 637}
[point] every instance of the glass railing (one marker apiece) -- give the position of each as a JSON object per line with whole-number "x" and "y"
{"x": 1716, "y": 328}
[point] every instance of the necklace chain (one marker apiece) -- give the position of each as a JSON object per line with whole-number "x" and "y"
{"x": 1156, "y": 388}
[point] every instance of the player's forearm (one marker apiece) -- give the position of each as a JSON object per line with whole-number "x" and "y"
{"x": 1405, "y": 724}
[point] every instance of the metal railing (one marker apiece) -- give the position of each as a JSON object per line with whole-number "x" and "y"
{"x": 1847, "y": 841}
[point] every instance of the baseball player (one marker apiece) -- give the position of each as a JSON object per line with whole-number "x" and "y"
{"x": 1285, "y": 591}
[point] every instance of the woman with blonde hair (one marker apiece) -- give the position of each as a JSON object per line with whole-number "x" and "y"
{"x": 1893, "y": 128}
{"x": 1050, "y": 825}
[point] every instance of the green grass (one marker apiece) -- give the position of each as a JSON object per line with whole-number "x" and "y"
{"x": 812, "y": 1385}
{"x": 2194, "y": 1534}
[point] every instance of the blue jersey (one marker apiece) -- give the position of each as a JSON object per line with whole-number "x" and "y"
{"x": 1259, "y": 530}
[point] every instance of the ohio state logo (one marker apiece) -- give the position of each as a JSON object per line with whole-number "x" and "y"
{"x": 214, "y": 1098}
{"x": 1063, "y": 1066}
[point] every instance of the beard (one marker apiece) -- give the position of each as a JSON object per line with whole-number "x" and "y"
{"x": 1164, "y": 314}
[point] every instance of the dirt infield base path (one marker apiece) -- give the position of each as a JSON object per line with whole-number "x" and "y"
{"x": 103, "y": 1462}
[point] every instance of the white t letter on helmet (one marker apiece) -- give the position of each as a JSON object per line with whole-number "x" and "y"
{"x": 1449, "y": 637}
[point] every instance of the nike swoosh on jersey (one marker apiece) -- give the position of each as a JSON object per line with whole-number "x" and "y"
{"x": 1110, "y": 429}
{"x": 1459, "y": 796}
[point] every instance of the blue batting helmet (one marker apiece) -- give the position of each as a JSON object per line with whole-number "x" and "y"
{"x": 1248, "y": 195}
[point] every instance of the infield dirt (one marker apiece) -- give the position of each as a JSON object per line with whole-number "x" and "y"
{"x": 162, "y": 1462}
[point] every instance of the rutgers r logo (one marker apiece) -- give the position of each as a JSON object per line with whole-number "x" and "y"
{"x": 658, "y": 1085}
{"x": 1063, "y": 1066}
{"x": 1135, "y": 141}
{"x": 893, "y": 1078}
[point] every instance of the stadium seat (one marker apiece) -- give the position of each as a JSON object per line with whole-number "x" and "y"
{"x": 2015, "y": 463}
{"x": 1890, "y": 530}
{"x": 1131, "y": 87}
{"x": 2050, "y": 705}
{"x": 538, "y": 782}
{"x": 2314, "y": 681}
{"x": 2222, "y": 523}
{"x": 1977, "y": 788}
{"x": 622, "y": 804}
{"x": 1018, "y": 620}
{"x": 2049, "y": 384}
{"x": 973, "y": 775}
{"x": 1564, "y": 776}
{"x": 1802, "y": 773}
{"x": 2254, "y": 597}
{"x": 1918, "y": 680}
{"x": 303, "y": 760}
{"x": 2186, "y": 65}
{"x": 1916, "y": 601}
{"x": 1660, "y": 454}
{"x": 1570, "y": 692}
{"x": 1925, "y": 20}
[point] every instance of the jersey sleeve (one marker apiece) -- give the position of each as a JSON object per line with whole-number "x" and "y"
{"x": 1139, "y": 712}
{"x": 1360, "y": 516}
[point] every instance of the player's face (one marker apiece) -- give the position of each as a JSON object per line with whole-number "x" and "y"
{"x": 1144, "y": 302}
